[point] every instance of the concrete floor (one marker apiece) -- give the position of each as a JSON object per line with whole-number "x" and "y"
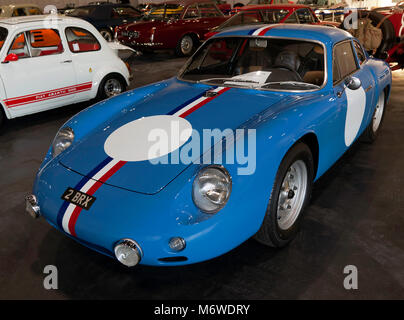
{"x": 356, "y": 217}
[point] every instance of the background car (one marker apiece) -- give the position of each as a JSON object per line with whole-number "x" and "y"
{"x": 267, "y": 14}
{"x": 19, "y": 10}
{"x": 178, "y": 25}
{"x": 106, "y": 16}
{"x": 45, "y": 67}
{"x": 306, "y": 94}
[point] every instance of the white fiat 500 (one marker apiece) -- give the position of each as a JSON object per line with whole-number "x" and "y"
{"x": 48, "y": 63}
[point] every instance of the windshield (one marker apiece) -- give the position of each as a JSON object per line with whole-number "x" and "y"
{"x": 259, "y": 63}
{"x": 255, "y": 17}
{"x": 164, "y": 11}
{"x": 3, "y": 36}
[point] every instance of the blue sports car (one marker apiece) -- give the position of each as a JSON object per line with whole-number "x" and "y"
{"x": 186, "y": 169}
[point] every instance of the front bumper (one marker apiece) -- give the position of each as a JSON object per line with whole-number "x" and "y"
{"x": 150, "y": 220}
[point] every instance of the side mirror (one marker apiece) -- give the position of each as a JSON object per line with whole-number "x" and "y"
{"x": 353, "y": 83}
{"x": 10, "y": 57}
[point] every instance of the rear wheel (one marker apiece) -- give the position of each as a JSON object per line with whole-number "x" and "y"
{"x": 110, "y": 86}
{"x": 186, "y": 45}
{"x": 373, "y": 128}
{"x": 290, "y": 195}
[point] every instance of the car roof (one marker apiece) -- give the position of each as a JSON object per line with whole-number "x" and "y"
{"x": 106, "y": 4}
{"x": 324, "y": 34}
{"x": 37, "y": 18}
{"x": 273, "y": 6}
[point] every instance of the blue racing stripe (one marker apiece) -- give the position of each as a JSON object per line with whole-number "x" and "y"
{"x": 252, "y": 31}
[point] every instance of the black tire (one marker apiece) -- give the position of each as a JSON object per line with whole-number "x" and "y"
{"x": 238, "y": 5}
{"x": 186, "y": 45}
{"x": 372, "y": 131}
{"x": 389, "y": 34}
{"x": 270, "y": 232}
{"x": 102, "y": 91}
{"x": 2, "y": 118}
{"x": 107, "y": 34}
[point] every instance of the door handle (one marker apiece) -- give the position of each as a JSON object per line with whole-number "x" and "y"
{"x": 368, "y": 88}
{"x": 66, "y": 61}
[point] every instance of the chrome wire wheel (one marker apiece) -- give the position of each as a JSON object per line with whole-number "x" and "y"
{"x": 112, "y": 87}
{"x": 378, "y": 115}
{"x": 292, "y": 195}
{"x": 187, "y": 44}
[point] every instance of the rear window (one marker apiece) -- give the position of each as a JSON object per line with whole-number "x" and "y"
{"x": 81, "y": 40}
{"x": 165, "y": 11}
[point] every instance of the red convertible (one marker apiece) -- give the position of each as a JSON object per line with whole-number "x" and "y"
{"x": 178, "y": 25}
{"x": 268, "y": 14}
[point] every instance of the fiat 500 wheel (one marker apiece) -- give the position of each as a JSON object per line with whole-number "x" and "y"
{"x": 290, "y": 195}
{"x": 110, "y": 86}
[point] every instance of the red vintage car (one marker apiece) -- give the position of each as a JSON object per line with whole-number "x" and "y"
{"x": 268, "y": 14}
{"x": 178, "y": 24}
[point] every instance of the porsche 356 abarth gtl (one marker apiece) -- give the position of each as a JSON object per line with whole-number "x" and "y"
{"x": 302, "y": 93}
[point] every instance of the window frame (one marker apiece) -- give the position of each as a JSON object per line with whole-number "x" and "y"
{"x": 356, "y": 53}
{"x": 191, "y": 6}
{"x": 217, "y": 10}
{"x": 342, "y": 78}
{"x": 26, "y": 43}
{"x": 74, "y": 52}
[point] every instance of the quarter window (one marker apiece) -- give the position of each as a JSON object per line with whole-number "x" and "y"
{"x": 343, "y": 61}
{"x": 192, "y": 12}
{"x": 81, "y": 40}
{"x": 20, "y": 47}
{"x": 359, "y": 52}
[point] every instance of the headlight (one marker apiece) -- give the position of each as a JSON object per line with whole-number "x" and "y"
{"x": 211, "y": 189}
{"x": 63, "y": 140}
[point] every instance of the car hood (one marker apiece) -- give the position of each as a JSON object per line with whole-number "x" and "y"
{"x": 142, "y": 25}
{"x": 229, "y": 109}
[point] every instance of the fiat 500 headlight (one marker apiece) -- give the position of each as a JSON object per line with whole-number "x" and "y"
{"x": 63, "y": 140}
{"x": 211, "y": 189}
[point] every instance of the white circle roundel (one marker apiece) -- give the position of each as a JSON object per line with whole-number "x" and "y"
{"x": 148, "y": 138}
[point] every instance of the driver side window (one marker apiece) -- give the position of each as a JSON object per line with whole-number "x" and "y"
{"x": 192, "y": 12}
{"x": 343, "y": 62}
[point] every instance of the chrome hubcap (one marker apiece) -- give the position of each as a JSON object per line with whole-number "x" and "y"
{"x": 378, "y": 115}
{"x": 106, "y": 35}
{"x": 112, "y": 87}
{"x": 186, "y": 45}
{"x": 292, "y": 195}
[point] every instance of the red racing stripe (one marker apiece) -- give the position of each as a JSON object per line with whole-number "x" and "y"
{"x": 91, "y": 191}
{"x": 262, "y": 32}
{"x": 200, "y": 104}
{"x": 46, "y": 95}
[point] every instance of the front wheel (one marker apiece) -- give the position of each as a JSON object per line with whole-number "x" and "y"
{"x": 373, "y": 128}
{"x": 185, "y": 46}
{"x": 112, "y": 85}
{"x": 290, "y": 195}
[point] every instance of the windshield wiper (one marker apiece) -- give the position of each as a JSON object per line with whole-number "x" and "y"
{"x": 292, "y": 83}
{"x": 227, "y": 79}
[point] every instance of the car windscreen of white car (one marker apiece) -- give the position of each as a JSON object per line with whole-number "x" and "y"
{"x": 259, "y": 63}
{"x": 3, "y": 36}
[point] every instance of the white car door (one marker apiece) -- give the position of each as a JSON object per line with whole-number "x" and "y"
{"x": 43, "y": 77}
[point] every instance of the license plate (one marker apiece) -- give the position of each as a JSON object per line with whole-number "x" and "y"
{"x": 78, "y": 198}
